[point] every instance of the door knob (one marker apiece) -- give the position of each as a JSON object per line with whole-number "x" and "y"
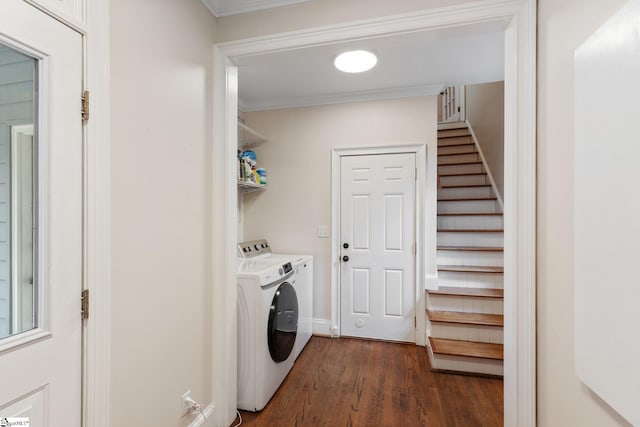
{"x": 345, "y": 245}
{"x": 345, "y": 258}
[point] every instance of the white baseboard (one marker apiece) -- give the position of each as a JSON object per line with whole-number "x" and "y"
{"x": 322, "y": 327}
{"x": 204, "y": 419}
{"x": 431, "y": 282}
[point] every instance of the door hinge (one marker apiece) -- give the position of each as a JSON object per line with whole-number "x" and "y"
{"x": 415, "y": 322}
{"x": 85, "y": 106}
{"x": 85, "y": 304}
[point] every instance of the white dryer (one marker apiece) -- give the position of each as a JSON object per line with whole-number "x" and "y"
{"x": 267, "y": 329}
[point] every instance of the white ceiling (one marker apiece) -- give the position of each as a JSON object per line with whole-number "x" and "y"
{"x": 416, "y": 64}
{"x": 234, "y": 7}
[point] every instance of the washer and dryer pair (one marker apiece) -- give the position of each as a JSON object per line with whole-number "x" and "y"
{"x": 275, "y": 299}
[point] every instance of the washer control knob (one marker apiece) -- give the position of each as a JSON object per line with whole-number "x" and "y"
{"x": 281, "y": 271}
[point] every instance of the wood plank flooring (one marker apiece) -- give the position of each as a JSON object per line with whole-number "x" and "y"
{"x": 353, "y": 383}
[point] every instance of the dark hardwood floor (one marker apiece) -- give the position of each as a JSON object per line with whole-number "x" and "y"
{"x": 350, "y": 382}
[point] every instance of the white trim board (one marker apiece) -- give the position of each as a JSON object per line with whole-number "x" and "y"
{"x": 519, "y": 16}
{"x": 420, "y": 151}
{"x": 97, "y": 259}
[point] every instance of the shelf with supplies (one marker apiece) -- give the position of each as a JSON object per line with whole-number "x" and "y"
{"x": 249, "y": 186}
{"x": 250, "y": 176}
{"x": 248, "y": 138}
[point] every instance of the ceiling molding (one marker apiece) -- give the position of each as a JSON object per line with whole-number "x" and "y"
{"x": 342, "y": 98}
{"x": 222, "y": 8}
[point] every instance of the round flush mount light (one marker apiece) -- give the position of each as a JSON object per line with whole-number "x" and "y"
{"x": 355, "y": 61}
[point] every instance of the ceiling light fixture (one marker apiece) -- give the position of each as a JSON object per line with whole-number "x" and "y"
{"x": 356, "y": 61}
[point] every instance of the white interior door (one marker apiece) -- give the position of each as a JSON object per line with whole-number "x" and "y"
{"x": 40, "y": 217}
{"x": 377, "y": 235}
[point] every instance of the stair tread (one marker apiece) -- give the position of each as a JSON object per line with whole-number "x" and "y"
{"x": 461, "y": 174}
{"x": 467, "y": 199}
{"x": 469, "y": 214}
{"x": 471, "y": 248}
{"x": 468, "y": 134}
{"x": 457, "y": 154}
{"x": 471, "y": 268}
{"x": 455, "y": 145}
{"x": 474, "y": 162}
{"x": 467, "y": 348}
{"x": 468, "y": 292}
{"x": 483, "y": 319}
{"x": 470, "y": 230}
{"x": 465, "y": 186}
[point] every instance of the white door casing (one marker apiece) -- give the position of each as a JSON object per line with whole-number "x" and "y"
{"x": 377, "y": 223}
{"x": 41, "y": 368}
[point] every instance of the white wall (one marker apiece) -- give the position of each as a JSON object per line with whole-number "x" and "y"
{"x": 484, "y": 111}
{"x": 298, "y": 162}
{"x": 161, "y": 132}
{"x": 562, "y": 399}
{"x": 16, "y": 107}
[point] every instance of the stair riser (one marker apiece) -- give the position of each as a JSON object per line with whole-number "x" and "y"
{"x": 457, "y": 149}
{"x": 470, "y": 222}
{"x": 464, "y": 193}
{"x": 473, "y": 168}
{"x": 471, "y": 280}
{"x": 442, "y": 362}
{"x": 452, "y": 125}
{"x": 445, "y": 142}
{"x": 446, "y": 238}
{"x": 458, "y": 158}
{"x": 486, "y": 206}
{"x": 494, "y": 259}
{"x": 464, "y": 304}
{"x": 452, "y": 132}
{"x": 488, "y": 334}
{"x": 464, "y": 180}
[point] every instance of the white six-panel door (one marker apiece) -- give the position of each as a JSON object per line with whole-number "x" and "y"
{"x": 377, "y": 238}
{"x": 40, "y": 358}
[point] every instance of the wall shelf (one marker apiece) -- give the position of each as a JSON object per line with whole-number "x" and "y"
{"x": 248, "y": 137}
{"x": 248, "y": 186}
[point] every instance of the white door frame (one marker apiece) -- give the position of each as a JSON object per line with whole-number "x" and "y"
{"x": 519, "y": 18}
{"x": 420, "y": 152}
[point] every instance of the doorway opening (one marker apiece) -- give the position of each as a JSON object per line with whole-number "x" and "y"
{"x": 518, "y": 18}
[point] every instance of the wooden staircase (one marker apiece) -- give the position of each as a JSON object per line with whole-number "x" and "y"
{"x": 465, "y": 314}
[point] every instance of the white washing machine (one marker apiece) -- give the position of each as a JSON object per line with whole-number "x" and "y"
{"x": 302, "y": 283}
{"x": 303, "y": 266}
{"x": 267, "y": 329}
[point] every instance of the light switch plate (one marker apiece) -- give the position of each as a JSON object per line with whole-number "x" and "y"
{"x": 323, "y": 231}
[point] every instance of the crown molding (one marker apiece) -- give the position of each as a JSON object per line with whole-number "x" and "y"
{"x": 343, "y": 97}
{"x": 222, "y": 8}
